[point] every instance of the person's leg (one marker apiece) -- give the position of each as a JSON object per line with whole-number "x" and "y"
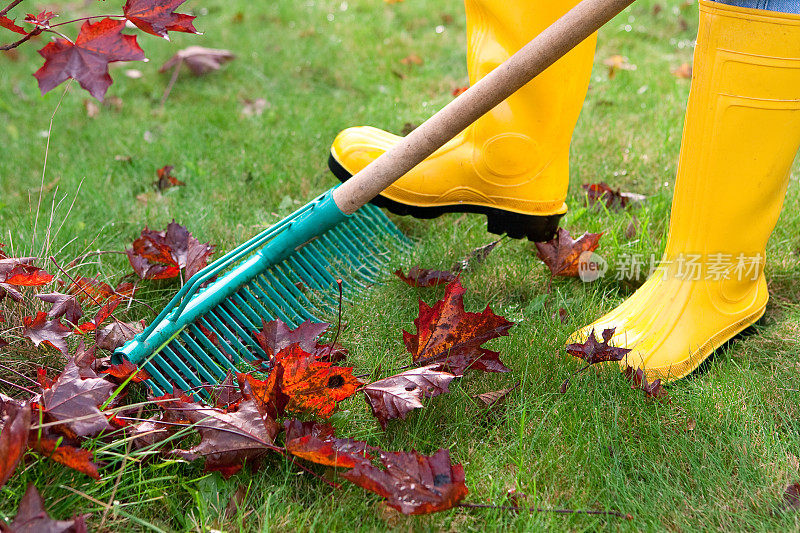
{"x": 783, "y": 6}
{"x": 513, "y": 163}
{"x": 741, "y": 135}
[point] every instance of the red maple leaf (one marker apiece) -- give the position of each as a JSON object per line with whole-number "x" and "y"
{"x": 24, "y": 275}
{"x": 562, "y": 254}
{"x": 157, "y": 17}
{"x": 166, "y": 180}
{"x": 592, "y": 351}
{"x": 125, "y": 370}
{"x": 63, "y": 305}
{"x": 413, "y": 483}
{"x": 448, "y": 335}
{"x": 86, "y": 60}
{"x": 313, "y": 386}
{"x": 318, "y": 443}
{"x": 13, "y": 441}
{"x": 75, "y": 458}
{"x": 161, "y": 254}
{"x": 73, "y": 400}
{"x": 276, "y": 335}
{"x": 40, "y": 330}
{"x": 9, "y": 24}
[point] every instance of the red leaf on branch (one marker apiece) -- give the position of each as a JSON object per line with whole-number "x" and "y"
{"x": 562, "y": 254}
{"x": 23, "y": 275}
{"x": 74, "y": 399}
{"x": 592, "y": 351}
{"x": 424, "y": 277}
{"x": 39, "y": 330}
{"x": 9, "y": 24}
{"x": 413, "y": 483}
{"x": 31, "y": 516}
{"x": 86, "y": 61}
{"x": 313, "y": 386}
{"x": 227, "y": 438}
{"x": 42, "y": 20}
{"x": 452, "y": 337}
{"x": 157, "y": 17}
{"x": 396, "y": 396}
{"x": 161, "y": 254}
{"x": 14, "y": 441}
{"x": 318, "y": 444}
{"x": 70, "y": 456}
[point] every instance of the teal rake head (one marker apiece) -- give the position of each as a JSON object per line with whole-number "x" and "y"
{"x": 287, "y": 272}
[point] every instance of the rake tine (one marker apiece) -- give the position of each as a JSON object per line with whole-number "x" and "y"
{"x": 176, "y": 378}
{"x": 222, "y": 359}
{"x": 345, "y": 255}
{"x": 285, "y": 280}
{"x": 249, "y": 340}
{"x": 308, "y": 268}
{"x": 180, "y": 365}
{"x": 248, "y": 316}
{"x": 371, "y": 253}
{"x": 278, "y": 297}
{"x": 289, "y": 292}
{"x": 197, "y": 351}
{"x": 266, "y": 308}
{"x": 215, "y": 326}
{"x": 202, "y": 368}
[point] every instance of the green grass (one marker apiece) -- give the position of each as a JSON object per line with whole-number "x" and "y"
{"x": 718, "y": 457}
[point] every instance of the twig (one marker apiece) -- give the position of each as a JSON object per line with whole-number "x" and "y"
{"x": 20, "y": 387}
{"x": 21, "y": 41}
{"x": 544, "y": 510}
{"x": 172, "y": 81}
{"x": 9, "y": 7}
{"x": 88, "y": 18}
{"x": 339, "y": 324}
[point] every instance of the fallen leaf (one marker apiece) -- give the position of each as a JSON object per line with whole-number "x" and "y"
{"x": 614, "y": 199}
{"x": 50, "y": 332}
{"x": 396, "y": 396}
{"x": 492, "y": 398}
{"x": 157, "y": 17}
{"x": 413, "y": 483}
{"x": 73, "y": 400}
{"x": 475, "y": 257}
{"x": 25, "y": 275}
{"x": 616, "y": 63}
{"x": 275, "y": 336}
{"x": 14, "y": 441}
{"x": 412, "y": 59}
{"x": 70, "y": 456}
{"x": 592, "y": 351}
{"x": 126, "y": 370}
{"x": 424, "y": 277}
{"x": 162, "y": 254}
{"x": 562, "y": 254}
{"x": 117, "y": 333}
{"x": 227, "y": 439}
{"x": 32, "y": 518}
{"x": 86, "y": 61}
{"x": 199, "y": 60}
{"x": 638, "y": 380}
{"x": 450, "y": 336}
{"x": 64, "y": 305}
{"x": 253, "y": 108}
{"x": 166, "y": 180}
{"x": 683, "y": 72}
{"x": 458, "y": 91}
{"x": 318, "y": 443}
{"x": 791, "y": 496}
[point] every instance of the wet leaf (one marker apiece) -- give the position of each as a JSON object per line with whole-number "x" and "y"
{"x": 199, "y": 60}
{"x": 562, "y": 254}
{"x": 638, "y": 380}
{"x": 64, "y": 305}
{"x": 69, "y": 456}
{"x": 162, "y": 254}
{"x": 396, "y": 396}
{"x": 13, "y": 441}
{"x": 424, "y": 277}
{"x": 475, "y": 257}
{"x": 74, "y": 400}
{"x": 117, "y": 333}
{"x": 158, "y": 17}
{"x": 592, "y": 351}
{"x": 492, "y": 398}
{"x": 51, "y": 332}
{"x": 413, "y": 483}
{"x": 32, "y": 518}
{"x": 318, "y": 443}
{"x": 166, "y": 180}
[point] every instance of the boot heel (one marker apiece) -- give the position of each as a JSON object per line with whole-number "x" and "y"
{"x": 517, "y": 226}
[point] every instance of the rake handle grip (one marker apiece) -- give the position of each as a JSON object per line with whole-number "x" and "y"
{"x": 541, "y": 52}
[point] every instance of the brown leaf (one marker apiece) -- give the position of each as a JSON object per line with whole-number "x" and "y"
{"x": 452, "y": 337}
{"x": 117, "y": 333}
{"x": 161, "y": 254}
{"x": 562, "y": 254}
{"x": 490, "y": 399}
{"x": 51, "y": 332}
{"x": 424, "y": 277}
{"x": 592, "y": 351}
{"x": 199, "y": 60}
{"x": 475, "y": 257}
{"x": 638, "y": 380}
{"x": 228, "y": 439}
{"x": 64, "y": 305}
{"x": 318, "y": 443}
{"x": 276, "y": 335}
{"x": 32, "y": 518}
{"x": 73, "y": 400}
{"x": 412, "y": 59}
{"x": 413, "y": 483}
{"x": 614, "y": 199}
{"x": 14, "y": 441}
{"x": 683, "y": 72}
{"x": 616, "y": 63}
{"x": 166, "y": 180}
{"x": 791, "y": 496}
{"x": 70, "y": 456}
{"x": 396, "y": 396}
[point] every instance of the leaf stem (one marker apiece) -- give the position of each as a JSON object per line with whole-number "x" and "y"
{"x": 88, "y": 18}
{"x": 9, "y": 7}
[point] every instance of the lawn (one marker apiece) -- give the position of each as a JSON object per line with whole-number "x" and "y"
{"x": 718, "y": 456}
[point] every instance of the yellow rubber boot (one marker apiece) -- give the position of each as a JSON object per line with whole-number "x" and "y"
{"x": 513, "y": 163}
{"x": 741, "y": 134}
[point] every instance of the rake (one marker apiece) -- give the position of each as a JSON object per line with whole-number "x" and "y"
{"x": 288, "y": 271}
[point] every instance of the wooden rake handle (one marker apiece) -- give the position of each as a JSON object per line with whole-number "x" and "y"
{"x": 541, "y": 52}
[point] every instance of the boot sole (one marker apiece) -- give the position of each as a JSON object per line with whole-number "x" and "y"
{"x": 500, "y": 222}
